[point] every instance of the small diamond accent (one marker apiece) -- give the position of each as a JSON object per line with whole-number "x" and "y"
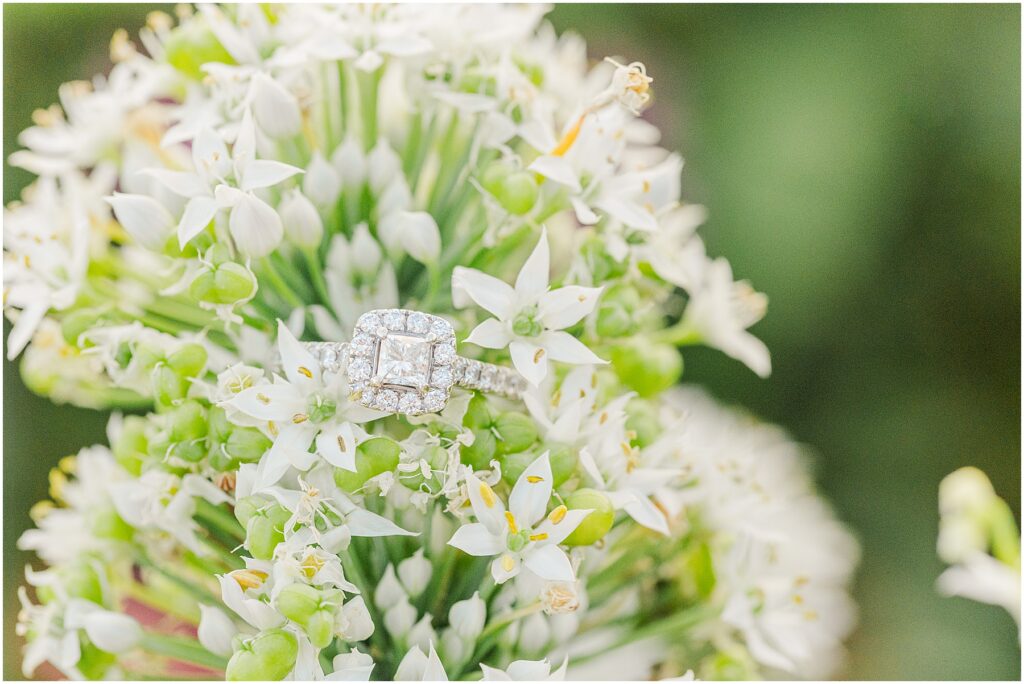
{"x": 369, "y": 321}
{"x": 394, "y": 320}
{"x": 441, "y": 377}
{"x": 434, "y": 400}
{"x": 441, "y": 329}
{"x": 362, "y": 344}
{"x": 387, "y": 400}
{"x": 418, "y": 323}
{"x": 359, "y": 369}
{"x": 444, "y": 354}
{"x": 410, "y": 403}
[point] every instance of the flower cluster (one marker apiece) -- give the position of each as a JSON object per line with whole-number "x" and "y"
{"x": 256, "y": 176}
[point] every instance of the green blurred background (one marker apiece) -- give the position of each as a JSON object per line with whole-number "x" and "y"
{"x": 861, "y": 165}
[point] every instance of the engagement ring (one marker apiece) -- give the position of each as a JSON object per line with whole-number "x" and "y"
{"x": 405, "y": 362}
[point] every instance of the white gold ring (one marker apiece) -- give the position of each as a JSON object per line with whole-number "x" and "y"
{"x": 403, "y": 361}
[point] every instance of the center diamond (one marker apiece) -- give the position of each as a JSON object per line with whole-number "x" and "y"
{"x": 404, "y": 360}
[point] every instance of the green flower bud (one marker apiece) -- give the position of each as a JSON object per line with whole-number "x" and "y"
{"x": 192, "y": 451}
{"x": 80, "y": 580}
{"x": 493, "y": 177}
{"x": 191, "y": 45}
{"x": 516, "y": 432}
{"x": 562, "y": 457}
{"x": 123, "y": 354}
{"x": 481, "y": 451}
{"x": 146, "y": 356}
{"x": 373, "y": 457}
{"x": 436, "y": 456}
{"x": 93, "y": 662}
{"x": 187, "y": 422}
{"x": 105, "y": 523}
{"x": 218, "y": 425}
{"x": 647, "y": 368}
{"x": 265, "y": 530}
{"x": 77, "y": 322}
{"x": 129, "y": 448}
{"x": 478, "y": 415}
{"x": 615, "y": 313}
{"x": 320, "y": 628}
{"x": 595, "y": 525}
{"x": 298, "y": 602}
{"x": 246, "y": 508}
{"x": 700, "y": 570}
{"x": 267, "y": 656}
{"x": 234, "y": 282}
{"x": 168, "y": 386}
{"x": 600, "y": 263}
{"x": 246, "y": 445}
{"x": 217, "y": 254}
{"x": 188, "y": 361}
{"x": 518, "y": 192}
{"x": 642, "y": 419}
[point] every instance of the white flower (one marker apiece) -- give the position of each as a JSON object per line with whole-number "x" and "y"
{"x": 322, "y": 183}
{"x": 529, "y": 319}
{"x": 300, "y": 409}
{"x": 415, "y": 573}
{"x": 981, "y": 577}
{"x": 222, "y": 180}
{"x": 145, "y": 219}
{"x": 276, "y": 110}
{"x": 301, "y": 221}
{"x": 525, "y": 671}
{"x": 417, "y": 666}
{"x": 517, "y": 535}
{"x": 467, "y": 617}
{"x": 351, "y": 667}
{"x": 413, "y": 232}
{"x": 720, "y": 311}
{"x": 215, "y": 630}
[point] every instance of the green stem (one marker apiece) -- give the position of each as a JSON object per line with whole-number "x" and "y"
{"x": 280, "y": 286}
{"x": 670, "y": 626}
{"x": 181, "y": 648}
{"x": 368, "y": 86}
{"x": 220, "y": 519}
{"x": 200, "y": 594}
{"x": 317, "y": 276}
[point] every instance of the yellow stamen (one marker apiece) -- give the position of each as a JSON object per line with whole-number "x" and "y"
{"x": 556, "y": 516}
{"x": 341, "y": 443}
{"x": 508, "y": 563}
{"x": 249, "y": 579}
{"x": 540, "y": 536}
{"x": 299, "y": 418}
{"x": 305, "y": 371}
{"x": 534, "y": 479}
{"x": 537, "y": 355}
{"x": 272, "y": 428}
{"x": 263, "y": 398}
{"x": 569, "y": 138}
{"x": 487, "y": 494}
{"x": 311, "y": 565}
{"x": 512, "y": 527}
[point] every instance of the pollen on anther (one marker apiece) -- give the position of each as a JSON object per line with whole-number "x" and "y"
{"x": 558, "y": 515}
{"x": 305, "y": 371}
{"x": 263, "y": 398}
{"x": 538, "y": 355}
{"x": 299, "y": 418}
{"x": 511, "y": 519}
{"x": 487, "y": 494}
{"x": 540, "y": 536}
{"x": 341, "y": 443}
{"x": 508, "y": 563}
{"x": 534, "y": 479}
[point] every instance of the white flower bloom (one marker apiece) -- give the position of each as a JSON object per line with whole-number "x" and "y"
{"x": 145, "y": 219}
{"x": 351, "y": 667}
{"x": 413, "y": 232}
{"x": 720, "y": 311}
{"x": 400, "y": 618}
{"x": 525, "y": 671}
{"x": 322, "y": 183}
{"x": 223, "y": 180}
{"x": 982, "y": 578}
{"x": 389, "y": 591}
{"x": 275, "y": 109}
{"x": 529, "y": 319}
{"x": 301, "y": 221}
{"x": 417, "y": 666}
{"x": 520, "y": 535}
{"x": 215, "y": 630}
{"x": 415, "y": 573}
{"x": 302, "y": 408}
{"x": 359, "y": 279}
{"x": 467, "y": 617}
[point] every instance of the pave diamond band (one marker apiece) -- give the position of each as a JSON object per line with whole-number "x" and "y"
{"x": 405, "y": 362}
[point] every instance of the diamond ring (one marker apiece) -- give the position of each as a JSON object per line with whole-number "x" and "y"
{"x": 405, "y": 362}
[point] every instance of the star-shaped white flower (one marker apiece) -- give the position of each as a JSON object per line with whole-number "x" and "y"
{"x": 525, "y": 671}
{"x": 520, "y": 535}
{"x": 222, "y": 180}
{"x": 303, "y": 407}
{"x": 529, "y": 319}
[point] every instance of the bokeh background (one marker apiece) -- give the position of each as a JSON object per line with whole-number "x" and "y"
{"x": 862, "y": 166}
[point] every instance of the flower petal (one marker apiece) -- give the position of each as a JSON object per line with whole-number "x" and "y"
{"x": 145, "y": 219}
{"x": 561, "y": 346}
{"x": 557, "y": 169}
{"x": 557, "y": 532}
{"x": 476, "y": 540}
{"x": 530, "y": 360}
{"x": 301, "y": 369}
{"x": 567, "y": 305}
{"x": 363, "y": 523}
{"x": 533, "y": 276}
{"x": 262, "y": 173}
{"x": 488, "y": 508}
{"x": 549, "y": 562}
{"x": 197, "y": 215}
{"x": 491, "y": 334}
{"x": 337, "y": 445}
{"x": 493, "y": 294}
{"x": 529, "y": 499}
{"x": 255, "y": 226}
